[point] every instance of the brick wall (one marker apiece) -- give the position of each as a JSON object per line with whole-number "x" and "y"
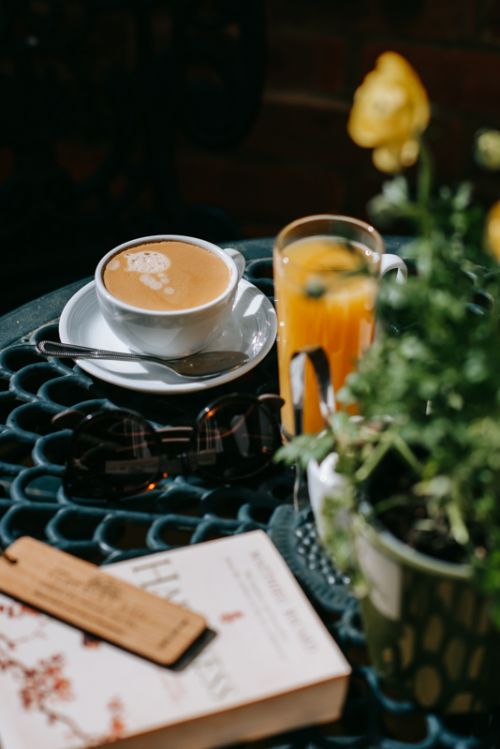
{"x": 298, "y": 158}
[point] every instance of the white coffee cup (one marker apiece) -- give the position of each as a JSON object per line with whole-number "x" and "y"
{"x": 172, "y": 333}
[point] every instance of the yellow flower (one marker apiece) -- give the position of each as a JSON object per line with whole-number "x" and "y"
{"x": 493, "y": 230}
{"x": 390, "y": 112}
{"x": 488, "y": 149}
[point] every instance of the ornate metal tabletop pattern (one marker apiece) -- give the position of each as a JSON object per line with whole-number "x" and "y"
{"x": 186, "y": 510}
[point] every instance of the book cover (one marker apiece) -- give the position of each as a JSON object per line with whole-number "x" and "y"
{"x": 272, "y": 666}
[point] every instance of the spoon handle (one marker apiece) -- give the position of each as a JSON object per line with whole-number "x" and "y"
{"x": 197, "y": 366}
{"x": 69, "y": 350}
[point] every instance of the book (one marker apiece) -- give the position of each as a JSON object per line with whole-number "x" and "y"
{"x": 271, "y": 667}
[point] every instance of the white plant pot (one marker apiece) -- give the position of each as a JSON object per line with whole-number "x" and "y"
{"x": 322, "y": 482}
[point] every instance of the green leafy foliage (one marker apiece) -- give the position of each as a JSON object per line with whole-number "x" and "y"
{"x": 437, "y": 385}
{"x": 306, "y": 447}
{"x": 426, "y": 450}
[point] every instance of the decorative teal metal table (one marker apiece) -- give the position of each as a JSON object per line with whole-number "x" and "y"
{"x": 187, "y": 510}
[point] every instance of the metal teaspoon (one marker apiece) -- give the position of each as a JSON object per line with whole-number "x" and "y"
{"x": 196, "y": 366}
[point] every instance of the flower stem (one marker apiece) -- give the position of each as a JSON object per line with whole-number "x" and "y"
{"x": 424, "y": 185}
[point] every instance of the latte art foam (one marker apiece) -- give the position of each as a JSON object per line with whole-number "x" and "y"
{"x": 150, "y": 266}
{"x": 147, "y": 261}
{"x": 166, "y": 275}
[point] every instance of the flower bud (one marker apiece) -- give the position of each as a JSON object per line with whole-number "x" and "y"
{"x": 493, "y": 230}
{"x": 487, "y": 149}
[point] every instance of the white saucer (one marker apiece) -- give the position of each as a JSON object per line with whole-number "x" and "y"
{"x": 251, "y": 329}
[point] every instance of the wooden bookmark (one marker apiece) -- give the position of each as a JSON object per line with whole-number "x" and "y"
{"x": 79, "y": 593}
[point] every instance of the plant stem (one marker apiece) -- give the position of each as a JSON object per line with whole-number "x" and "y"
{"x": 424, "y": 185}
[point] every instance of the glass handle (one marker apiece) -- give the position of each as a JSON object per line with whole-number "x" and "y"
{"x": 394, "y": 262}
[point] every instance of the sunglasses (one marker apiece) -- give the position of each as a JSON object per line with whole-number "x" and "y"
{"x": 115, "y": 454}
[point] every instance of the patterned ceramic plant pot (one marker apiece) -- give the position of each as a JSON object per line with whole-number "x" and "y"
{"x": 428, "y": 630}
{"x": 429, "y": 633}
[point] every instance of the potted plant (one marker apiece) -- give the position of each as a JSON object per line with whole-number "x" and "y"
{"x": 412, "y": 483}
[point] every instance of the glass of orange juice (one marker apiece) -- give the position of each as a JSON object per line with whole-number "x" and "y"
{"x": 326, "y": 271}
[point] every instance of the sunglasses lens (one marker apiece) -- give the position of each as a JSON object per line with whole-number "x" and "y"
{"x": 112, "y": 455}
{"x": 237, "y": 437}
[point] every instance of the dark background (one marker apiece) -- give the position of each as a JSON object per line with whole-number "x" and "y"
{"x": 223, "y": 120}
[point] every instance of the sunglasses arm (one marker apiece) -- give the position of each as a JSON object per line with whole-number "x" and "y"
{"x": 179, "y": 455}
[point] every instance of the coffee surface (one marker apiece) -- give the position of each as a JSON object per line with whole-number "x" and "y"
{"x": 166, "y": 275}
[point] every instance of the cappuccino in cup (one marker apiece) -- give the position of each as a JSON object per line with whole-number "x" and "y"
{"x": 167, "y": 294}
{"x": 166, "y": 275}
